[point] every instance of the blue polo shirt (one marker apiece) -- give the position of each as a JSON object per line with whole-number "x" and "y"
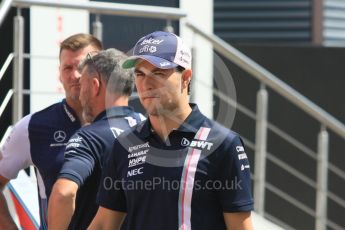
{"x": 85, "y": 154}
{"x": 187, "y": 181}
{"x": 40, "y": 139}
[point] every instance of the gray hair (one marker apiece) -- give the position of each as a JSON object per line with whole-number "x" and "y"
{"x": 108, "y": 64}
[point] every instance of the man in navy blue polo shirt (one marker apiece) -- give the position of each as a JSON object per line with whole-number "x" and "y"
{"x": 179, "y": 169}
{"x": 104, "y": 94}
{"x": 40, "y": 138}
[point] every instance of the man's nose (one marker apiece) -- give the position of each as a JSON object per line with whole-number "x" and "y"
{"x": 76, "y": 74}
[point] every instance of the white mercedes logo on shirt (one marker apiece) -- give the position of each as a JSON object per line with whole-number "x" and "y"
{"x": 59, "y": 136}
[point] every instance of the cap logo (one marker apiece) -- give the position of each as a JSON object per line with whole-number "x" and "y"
{"x": 153, "y": 49}
{"x": 151, "y": 41}
{"x": 162, "y": 49}
{"x": 144, "y": 49}
{"x": 162, "y": 64}
{"x": 147, "y": 48}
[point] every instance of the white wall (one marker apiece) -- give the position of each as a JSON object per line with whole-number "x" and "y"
{"x": 202, "y": 82}
{"x": 48, "y": 27}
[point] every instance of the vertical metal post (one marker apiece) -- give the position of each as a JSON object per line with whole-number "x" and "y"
{"x": 192, "y": 84}
{"x": 322, "y": 180}
{"x": 5, "y": 6}
{"x": 97, "y": 28}
{"x": 260, "y": 150}
{"x": 18, "y": 67}
{"x": 169, "y": 27}
{"x": 318, "y": 21}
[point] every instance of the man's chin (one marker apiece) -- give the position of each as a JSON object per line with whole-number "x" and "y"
{"x": 75, "y": 97}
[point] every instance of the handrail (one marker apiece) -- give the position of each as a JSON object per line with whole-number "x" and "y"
{"x": 293, "y": 171}
{"x": 272, "y": 81}
{"x": 292, "y": 200}
{"x": 4, "y": 8}
{"x": 5, "y": 101}
{"x": 130, "y": 10}
{"x": 6, "y": 64}
{"x": 303, "y": 148}
{"x": 225, "y": 49}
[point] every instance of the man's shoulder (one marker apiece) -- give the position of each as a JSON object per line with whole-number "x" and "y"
{"x": 223, "y": 137}
{"x": 95, "y": 127}
{"x": 218, "y": 128}
{"x": 48, "y": 114}
{"x": 51, "y": 109}
{"x": 131, "y": 137}
{"x": 103, "y": 127}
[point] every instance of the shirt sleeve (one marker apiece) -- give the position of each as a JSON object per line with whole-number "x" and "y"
{"x": 80, "y": 158}
{"x": 15, "y": 154}
{"x": 111, "y": 194}
{"x": 234, "y": 174}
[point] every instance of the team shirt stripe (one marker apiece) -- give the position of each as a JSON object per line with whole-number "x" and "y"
{"x": 187, "y": 181}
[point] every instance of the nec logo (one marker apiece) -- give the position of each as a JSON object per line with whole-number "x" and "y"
{"x": 134, "y": 172}
{"x": 196, "y": 143}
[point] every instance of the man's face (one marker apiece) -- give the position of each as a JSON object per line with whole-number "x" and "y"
{"x": 86, "y": 92}
{"x": 69, "y": 75}
{"x": 159, "y": 90}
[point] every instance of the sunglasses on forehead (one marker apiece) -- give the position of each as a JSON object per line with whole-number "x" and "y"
{"x": 89, "y": 56}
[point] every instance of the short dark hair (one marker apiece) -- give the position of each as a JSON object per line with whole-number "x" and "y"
{"x": 80, "y": 41}
{"x": 108, "y": 64}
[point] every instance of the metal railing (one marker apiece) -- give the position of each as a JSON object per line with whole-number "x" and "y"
{"x": 265, "y": 77}
{"x": 4, "y": 8}
{"x": 326, "y": 120}
{"x": 6, "y": 65}
{"x": 167, "y": 13}
{"x": 10, "y": 91}
{"x": 288, "y": 168}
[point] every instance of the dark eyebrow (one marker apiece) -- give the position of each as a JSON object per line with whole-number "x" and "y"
{"x": 154, "y": 69}
{"x": 158, "y": 69}
{"x": 138, "y": 71}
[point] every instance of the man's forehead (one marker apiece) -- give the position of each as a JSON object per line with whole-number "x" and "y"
{"x": 143, "y": 65}
{"x": 68, "y": 55}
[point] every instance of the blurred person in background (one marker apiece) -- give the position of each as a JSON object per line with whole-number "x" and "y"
{"x": 104, "y": 95}
{"x": 40, "y": 138}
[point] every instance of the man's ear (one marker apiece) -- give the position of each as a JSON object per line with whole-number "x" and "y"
{"x": 186, "y": 77}
{"x": 96, "y": 86}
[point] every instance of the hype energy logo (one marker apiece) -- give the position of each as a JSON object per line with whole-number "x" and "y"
{"x": 197, "y": 144}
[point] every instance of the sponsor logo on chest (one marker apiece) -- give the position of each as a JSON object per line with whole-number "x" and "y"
{"x": 59, "y": 137}
{"x": 137, "y": 156}
{"x": 135, "y": 172}
{"x": 197, "y": 144}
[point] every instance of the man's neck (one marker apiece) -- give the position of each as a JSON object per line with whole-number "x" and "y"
{"x": 117, "y": 101}
{"x": 163, "y": 124}
{"x": 101, "y": 105}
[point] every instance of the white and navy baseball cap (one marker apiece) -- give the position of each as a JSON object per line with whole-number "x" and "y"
{"x": 162, "y": 49}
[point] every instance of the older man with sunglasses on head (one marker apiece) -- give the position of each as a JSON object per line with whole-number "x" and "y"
{"x": 104, "y": 94}
{"x": 40, "y": 138}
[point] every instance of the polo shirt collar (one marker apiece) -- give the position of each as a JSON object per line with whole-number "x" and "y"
{"x": 191, "y": 125}
{"x": 115, "y": 111}
{"x": 69, "y": 111}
